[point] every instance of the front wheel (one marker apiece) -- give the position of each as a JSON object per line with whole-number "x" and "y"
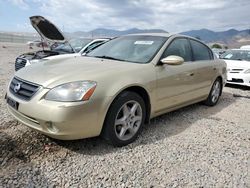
{"x": 124, "y": 119}
{"x": 215, "y": 93}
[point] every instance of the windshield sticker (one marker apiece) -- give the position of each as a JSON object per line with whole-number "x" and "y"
{"x": 144, "y": 42}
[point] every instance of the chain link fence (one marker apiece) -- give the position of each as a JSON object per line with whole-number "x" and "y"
{"x": 15, "y": 38}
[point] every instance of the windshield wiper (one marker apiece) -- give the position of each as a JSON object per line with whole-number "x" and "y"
{"x": 109, "y": 57}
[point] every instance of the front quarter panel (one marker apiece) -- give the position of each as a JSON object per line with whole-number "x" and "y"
{"x": 109, "y": 87}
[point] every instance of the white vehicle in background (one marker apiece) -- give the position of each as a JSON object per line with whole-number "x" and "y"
{"x": 79, "y": 50}
{"x": 89, "y": 47}
{"x": 246, "y": 47}
{"x": 238, "y": 66}
{"x": 51, "y": 34}
{"x": 218, "y": 52}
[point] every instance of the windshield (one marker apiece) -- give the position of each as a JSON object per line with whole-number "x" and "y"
{"x": 237, "y": 55}
{"x": 137, "y": 48}
{"x": 76, "y": 44}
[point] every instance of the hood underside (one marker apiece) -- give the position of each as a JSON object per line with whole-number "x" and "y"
{"x": 47, "y": 30}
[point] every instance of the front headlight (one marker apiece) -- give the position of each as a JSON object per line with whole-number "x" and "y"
{"x": 247, "y": 71}
{"x": 71, "y": 92}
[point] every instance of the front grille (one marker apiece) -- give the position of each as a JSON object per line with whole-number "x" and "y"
{"x": 237, "y": 80}
{"x": 23, "y": 89}
{"x": 236, "y": 70}
{"x": 20, "y": 63}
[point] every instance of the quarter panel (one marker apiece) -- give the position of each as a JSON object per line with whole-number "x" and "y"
{"x": 143, "y": 76}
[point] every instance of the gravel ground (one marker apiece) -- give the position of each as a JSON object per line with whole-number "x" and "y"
{"x": 196, "y": 146}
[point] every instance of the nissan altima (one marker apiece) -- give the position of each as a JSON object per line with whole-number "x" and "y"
{"x": 116, "y": 89}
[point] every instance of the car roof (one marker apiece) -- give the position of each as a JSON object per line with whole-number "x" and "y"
{"x": 85, "y": 38}
{"x": 104, "y": 39}
{"x": 162, "y": 35}
{"x": 151, "y": 34}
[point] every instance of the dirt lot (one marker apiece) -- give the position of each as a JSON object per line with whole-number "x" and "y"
{"x": 196, "y": 146}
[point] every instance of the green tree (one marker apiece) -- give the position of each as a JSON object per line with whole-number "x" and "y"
{"x": 217, "y": 46}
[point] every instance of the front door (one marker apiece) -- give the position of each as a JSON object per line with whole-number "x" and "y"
{"x": 175, "y": 83}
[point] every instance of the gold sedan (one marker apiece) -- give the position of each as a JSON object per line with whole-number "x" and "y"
{"x": 116, "y": 88}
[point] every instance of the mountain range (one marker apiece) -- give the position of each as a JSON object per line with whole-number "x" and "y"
{"x": 102, "y": 32}
{"x": 230, "y": 38}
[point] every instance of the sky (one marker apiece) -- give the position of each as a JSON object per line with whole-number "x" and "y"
{"x": 170, "y": 15}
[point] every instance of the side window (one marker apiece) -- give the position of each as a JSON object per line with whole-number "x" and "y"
{"x": 200, "y": 51}
{"x": 179, "y": 47}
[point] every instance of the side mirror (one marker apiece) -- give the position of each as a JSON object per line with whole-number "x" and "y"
{"x": 172, "y": 60}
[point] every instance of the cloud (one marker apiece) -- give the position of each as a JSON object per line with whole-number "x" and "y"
{"x": 24, "y": 27}
{"x": 173, "y": 16}
{"x": 20, "y": 3}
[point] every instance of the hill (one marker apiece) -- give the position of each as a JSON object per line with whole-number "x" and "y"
{"x": 231, "y": 37}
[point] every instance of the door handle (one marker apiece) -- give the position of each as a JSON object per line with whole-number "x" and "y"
{"x": 189, "y": 73}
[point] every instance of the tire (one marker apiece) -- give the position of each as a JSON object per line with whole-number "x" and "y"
{"x": 125, "y": 119}
{"x": 214, "y": 94}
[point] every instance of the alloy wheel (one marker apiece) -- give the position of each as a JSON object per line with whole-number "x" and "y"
{"x": 216, "y": 91}
{"x": 128, "y": 120}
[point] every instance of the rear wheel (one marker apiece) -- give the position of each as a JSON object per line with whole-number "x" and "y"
{"x": 215, "y": 93}
{"x": 124, "y": 119}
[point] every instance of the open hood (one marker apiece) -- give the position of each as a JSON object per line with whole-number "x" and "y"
{"x": 47, "y": 30}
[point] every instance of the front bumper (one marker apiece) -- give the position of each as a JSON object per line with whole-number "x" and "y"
{"x": 238, "y": 78}
{"x": 60, "y": 120}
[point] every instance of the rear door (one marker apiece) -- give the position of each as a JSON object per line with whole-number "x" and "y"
{"x": 205, "y": 68}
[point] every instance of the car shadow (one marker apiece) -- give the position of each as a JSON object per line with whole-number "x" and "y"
{"x": 161, "y": 127}
{"x": 244, "y": 88}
